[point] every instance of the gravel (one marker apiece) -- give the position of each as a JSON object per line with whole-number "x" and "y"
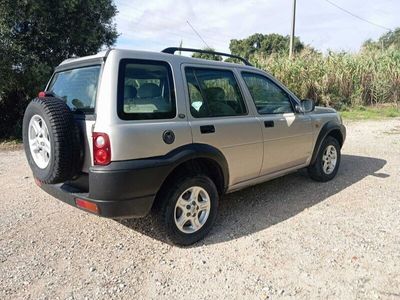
{"x": 290, "y": 237}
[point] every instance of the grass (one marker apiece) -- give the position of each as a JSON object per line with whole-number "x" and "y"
{"x": 10, "y": 144}
{"x": 370, "y": 113}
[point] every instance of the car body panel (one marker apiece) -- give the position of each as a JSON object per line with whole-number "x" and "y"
{"x": 288, "y": 143}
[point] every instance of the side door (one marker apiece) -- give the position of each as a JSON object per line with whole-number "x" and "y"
{"x": 287, "y": 135}
{"x": 219, "y": 116}
{"x": 149, "y": 103}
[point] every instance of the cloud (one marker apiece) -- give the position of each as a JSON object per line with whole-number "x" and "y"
{"x": 156, "y": 24}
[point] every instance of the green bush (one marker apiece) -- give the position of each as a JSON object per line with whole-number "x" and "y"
{"x": 35, "y": 36}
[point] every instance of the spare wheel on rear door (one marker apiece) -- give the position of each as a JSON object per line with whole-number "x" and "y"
{"x": 52, "y": 140}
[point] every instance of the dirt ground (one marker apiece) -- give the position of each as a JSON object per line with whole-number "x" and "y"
{"x": 290, "y": 237}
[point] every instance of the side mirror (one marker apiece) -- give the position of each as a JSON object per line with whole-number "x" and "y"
{"x": 307, "y": 105}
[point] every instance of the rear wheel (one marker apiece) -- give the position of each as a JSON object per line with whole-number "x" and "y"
{"x": 327, "y": 162}
{"x": 189, "y": 209}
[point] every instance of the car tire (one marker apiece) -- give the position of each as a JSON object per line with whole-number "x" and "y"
{"x": 327, "y": 162}
{"x": 194, "y": 199}
{"x": 52, "y": 140}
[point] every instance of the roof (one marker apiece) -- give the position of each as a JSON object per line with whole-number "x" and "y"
{"x": 150, "y": 55}
{"x": 100, "y": 55}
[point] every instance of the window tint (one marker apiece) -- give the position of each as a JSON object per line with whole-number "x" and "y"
{"x": 214, "y": 93}
{"x": 145, "y": 90}
{"x": 77, "y": 87}
{"x": 267, "y": 96}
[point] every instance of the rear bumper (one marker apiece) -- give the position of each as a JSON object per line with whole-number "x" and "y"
{"x": 120, "y": 190}
{"x": 136, "y": 207}
{"x": 128, "y": 188}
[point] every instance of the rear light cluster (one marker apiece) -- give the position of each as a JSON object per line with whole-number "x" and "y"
{"x": 38, "y": 182}
{"x": 45, "y": 94}
{"x": 101, "y": 149}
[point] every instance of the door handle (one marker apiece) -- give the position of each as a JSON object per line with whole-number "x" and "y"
{"x": 207, "y": 129}
{"x": 269, "y": 124}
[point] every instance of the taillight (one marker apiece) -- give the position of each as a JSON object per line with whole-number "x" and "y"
{"x": 45, "y": 94}
{"x": 42, "y": 94}
{"x": 38, "y": 182}
{"x": 101, "y": 149}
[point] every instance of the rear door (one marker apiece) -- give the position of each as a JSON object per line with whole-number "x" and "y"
{"x": 150, "y": 119}
{"x": 77, "y": 86}
{"x": 287, "y": 135}
{"x": 219, "y": 116}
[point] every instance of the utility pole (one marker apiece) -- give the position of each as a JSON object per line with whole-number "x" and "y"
{"x": 293, "y": 30}
{"x": 180, "y": 46}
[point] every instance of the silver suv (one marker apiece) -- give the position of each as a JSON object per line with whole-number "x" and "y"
{"x": 125, "y": 132}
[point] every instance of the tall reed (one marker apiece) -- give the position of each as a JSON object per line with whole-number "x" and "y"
{"x": 339, "y": 80}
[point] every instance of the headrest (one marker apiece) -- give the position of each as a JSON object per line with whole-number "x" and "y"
{"x": 215, "y": 94}
{"x": 130, "y": 92}
{"x": 149, "y": 90}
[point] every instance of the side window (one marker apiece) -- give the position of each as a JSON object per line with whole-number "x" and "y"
{"x": 214, "y": 93}
{"x": 77, "y": 87}
{"x": 267, "y": 96}
{"x": 145, "y": 90}
{"x": 196, "y": 100}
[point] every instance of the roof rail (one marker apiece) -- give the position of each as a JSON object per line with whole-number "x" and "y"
{"x": 172, "y": 50}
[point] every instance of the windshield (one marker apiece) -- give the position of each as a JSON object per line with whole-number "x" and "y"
{"x": 77, "y": 87}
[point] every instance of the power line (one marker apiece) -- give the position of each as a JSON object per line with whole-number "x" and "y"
{"x": 198, "y": 34}
{"x": 172, "y": 19}
{"x": 356, "y": 16}
{"x": 172, "y": 30}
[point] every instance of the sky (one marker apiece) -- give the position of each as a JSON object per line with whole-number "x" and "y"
{"x": 157, "y": 24}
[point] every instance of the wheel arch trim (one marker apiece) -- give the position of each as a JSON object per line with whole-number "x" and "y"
{"x": 143, "y": 177}
{"x": 195, "y": 151}
{"x": 325, "y": 131}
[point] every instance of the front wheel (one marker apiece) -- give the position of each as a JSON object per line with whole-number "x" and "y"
{"x": 327, "y": 162}
{"x": 189, "y": 209}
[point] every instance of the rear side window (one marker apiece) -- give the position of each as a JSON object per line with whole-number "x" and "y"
{"x": 214, "y": 93}
{"x": 145, "y": 90}
{"x": 77, "y": 87}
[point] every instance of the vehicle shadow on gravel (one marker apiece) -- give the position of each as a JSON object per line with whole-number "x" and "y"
{"x": 259, "y": 207}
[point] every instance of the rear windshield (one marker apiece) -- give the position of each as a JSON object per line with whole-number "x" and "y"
{"x": 77, "y": 87}
{"x": 145, "y": 90}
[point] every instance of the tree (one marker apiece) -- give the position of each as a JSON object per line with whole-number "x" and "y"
{"x": 208, "y": 56}
{"x": 390, "y": 39}
{"x": 263, "y": 44}
{"x": 35, "y": 37}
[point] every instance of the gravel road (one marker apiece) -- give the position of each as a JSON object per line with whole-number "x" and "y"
{"x": 290, "y": 237}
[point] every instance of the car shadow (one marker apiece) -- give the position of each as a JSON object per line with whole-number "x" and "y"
{"x": 259, "y": 207}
